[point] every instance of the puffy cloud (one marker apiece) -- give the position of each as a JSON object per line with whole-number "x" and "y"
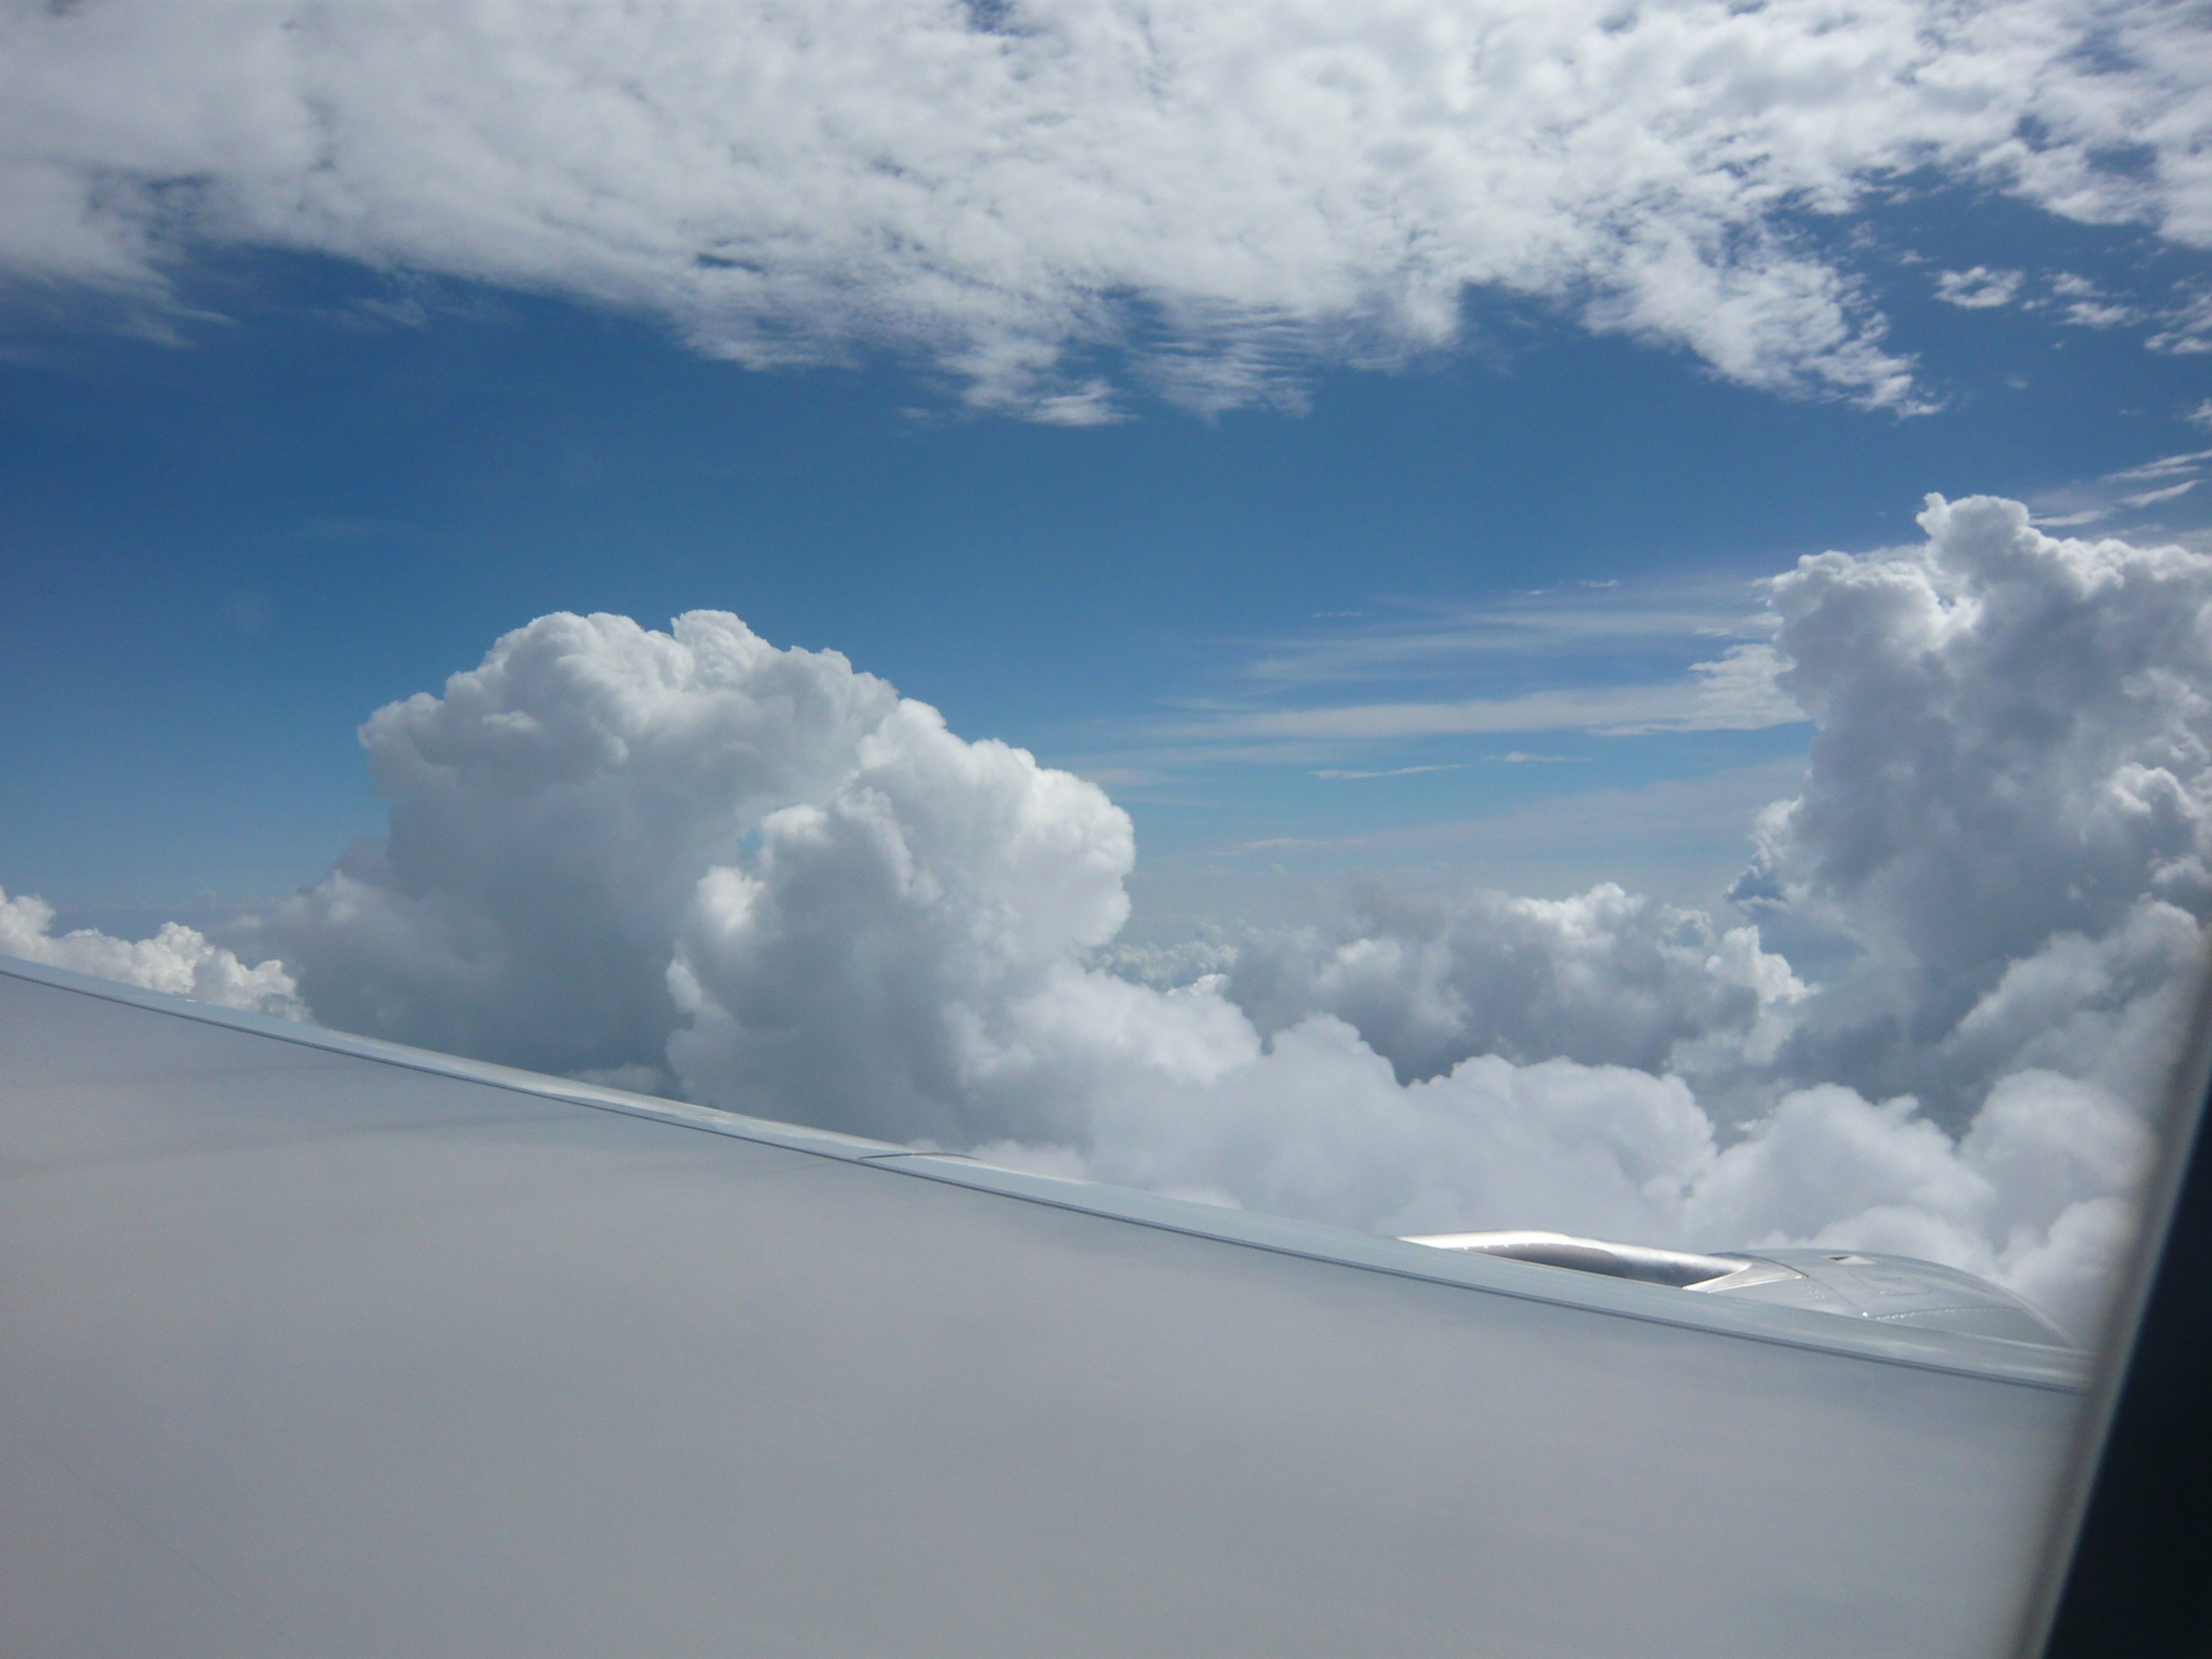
{"x": 2108, "y": 1010}
{"x": 2035, "y": 1195}
{"x": 1316, "y": 1125}
{"x": 902, "y": 1004}
{"x": 903, "y": 959}
{"x": 1075, "y": 1074}
{"x": 177, "y": 959}
{"x": 692, "y": 860}
{"x": 1605, "y": 978}
{"x": 2007, "y": 807}
{"x": 1229, "y": 191}
{"x": 552, "y": 812}
{"x": 1996, "y": 859}
{"x": 1978, "y": 289}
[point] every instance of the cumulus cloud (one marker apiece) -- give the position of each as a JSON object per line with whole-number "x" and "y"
{"x": 905, "y": 958}
{"x": 1994, "y": 878}
{"x": 2035, "y": 1195}
{"x": 1978, "y": 287}
{"x": 1941, "y": 1024}
{"x": 2010, "y": 754}
{"x": 177, "y": 959}
{"x": 1429, "y": 979}
{"x": 553, "y": 812}
{"x": 1228, "y": 192}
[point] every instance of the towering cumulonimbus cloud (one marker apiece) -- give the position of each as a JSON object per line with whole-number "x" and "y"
{"x": 1229, "y": 193}
{"x": 692, "y": 860}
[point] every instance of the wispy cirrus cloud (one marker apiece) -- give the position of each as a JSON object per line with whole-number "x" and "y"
{"x": 1384, "y": 645}
{"x": 1338, "y": 774}
{"x": 1359, "y": 695}
{"x": 1734, "y": 692}
{"x": 2116, "y": 496}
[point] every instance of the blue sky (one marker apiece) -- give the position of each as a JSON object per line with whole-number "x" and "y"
{"x": 296, "y": 485}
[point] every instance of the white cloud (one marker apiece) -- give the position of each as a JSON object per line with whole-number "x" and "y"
{"x": 2002, "y": 823}
{"x": 1978, "y": 287}
{"x": 1338, "y": 774}
{"x": 1977, "y": 927}
{"x": 1240, "y": 190}
{"x": 2012, "y": 748}
{"x": 177, "y": 959}
{"x": 1389, "y": 646}
{"x": 2086, "y": 305}
{"x": 905, "y": 958}
{"x": 2099, "y": 313}
{"x": 2166, "y": 466}
{"x": 2151, "y": 497}
{"x": 553, "y": 812}
{"x": 1687, "y": 655}
{"x": 1166, "y": 967}
{"x": 2169, "y": 476}
{"x": 1608, "y": 977}
{"x": 1736, "y": 691}
{"x": 2186, "y": 329}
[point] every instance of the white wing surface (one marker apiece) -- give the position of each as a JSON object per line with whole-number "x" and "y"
{"x": 311, "y": 1345}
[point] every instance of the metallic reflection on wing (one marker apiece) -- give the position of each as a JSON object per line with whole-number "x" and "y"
{"x": 1895, "y": 1290}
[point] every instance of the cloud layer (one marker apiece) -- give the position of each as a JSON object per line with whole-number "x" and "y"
{"x": 1942, "y": 1025}
{"x": 1229, "y": 192}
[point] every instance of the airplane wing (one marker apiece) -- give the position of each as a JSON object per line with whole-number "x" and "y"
{"x": 315, "y": 1344}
